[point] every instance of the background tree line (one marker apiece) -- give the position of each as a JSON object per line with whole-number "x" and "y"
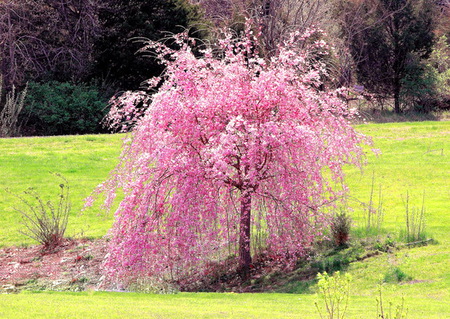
{"x": 73, "y": 55}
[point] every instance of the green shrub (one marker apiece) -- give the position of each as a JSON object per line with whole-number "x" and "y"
{"x": 337, "y": 259}
{"x": 400, "y": 311}
{"x": 61, "y": 108}
{"x": 331, "y": 263}
{"x": 395, "y": 275}
{"x": 418, "y": 87}
{"x": 439, "y": 68}
{"x": 385, "y": 245}
{"x": 334, "y": 291}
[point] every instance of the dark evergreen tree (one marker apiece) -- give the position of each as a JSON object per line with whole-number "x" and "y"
{"x": 117, "y": 58}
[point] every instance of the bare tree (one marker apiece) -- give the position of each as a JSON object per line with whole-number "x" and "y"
{"x": 46, "y": 38}
{"x": 389, "y": 43}
{"x": 443, "y": 18}
{"x": 274, "y": 18}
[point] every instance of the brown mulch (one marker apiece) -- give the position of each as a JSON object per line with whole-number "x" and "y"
{"x": 75, "y": 265}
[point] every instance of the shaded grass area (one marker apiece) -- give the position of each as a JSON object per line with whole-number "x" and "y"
{"x": 85, "y": 161}
{"x": 193, "y": 305}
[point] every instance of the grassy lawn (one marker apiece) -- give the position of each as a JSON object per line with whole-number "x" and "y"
{"x": 415, "y": 159}
{"x": 194, "y": 305}
{"x": 26, "y": 162}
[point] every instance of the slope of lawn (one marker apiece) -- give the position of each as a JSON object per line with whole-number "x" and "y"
{"x": 415, "y": 160}
{"x": 85, "y": 161}
{"x": 414, "y": 163}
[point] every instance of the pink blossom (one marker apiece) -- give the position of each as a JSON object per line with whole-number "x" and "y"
{"x": 227, "y": 140}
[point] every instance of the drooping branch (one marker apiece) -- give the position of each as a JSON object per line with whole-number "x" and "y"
{"x": 209, "y": 179}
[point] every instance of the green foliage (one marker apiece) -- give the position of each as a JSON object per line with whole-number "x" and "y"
{"x": 46, "y": 222}
{"x": 336, "y": 260}
{"x": 331, "y": 263}
{"x": 385, "y": 245}
{"x": 438, "y": 67}
{"x": 396, "y": 275}
{"x": 418, "y": 86}
{"x": 389, "y": 50}
{"x": 399, "y": 313}
{"x": 60, "y": 108}
{"x": 334, "y": 291}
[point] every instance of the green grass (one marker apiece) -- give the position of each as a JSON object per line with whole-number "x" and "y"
{"x": 26, "y": 162}
{"x": 195, "y": 305}
{"x": 415, "y": 158}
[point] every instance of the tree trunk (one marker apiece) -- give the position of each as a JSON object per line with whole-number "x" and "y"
{"x": 245, "y": 258}
{"x": 397, "y": 87}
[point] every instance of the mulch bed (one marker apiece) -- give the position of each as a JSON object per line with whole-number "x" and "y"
{"x": 74, "y": 265}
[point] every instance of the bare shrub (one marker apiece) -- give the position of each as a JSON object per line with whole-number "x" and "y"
{"x": 45, "y": 222}
{"x": 9, "y": 114}
{"x": 415, "y": 222}
{"x": 394, "y": 311}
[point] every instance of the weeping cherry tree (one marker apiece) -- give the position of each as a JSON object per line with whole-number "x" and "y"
{"x": 233, "y": 155}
